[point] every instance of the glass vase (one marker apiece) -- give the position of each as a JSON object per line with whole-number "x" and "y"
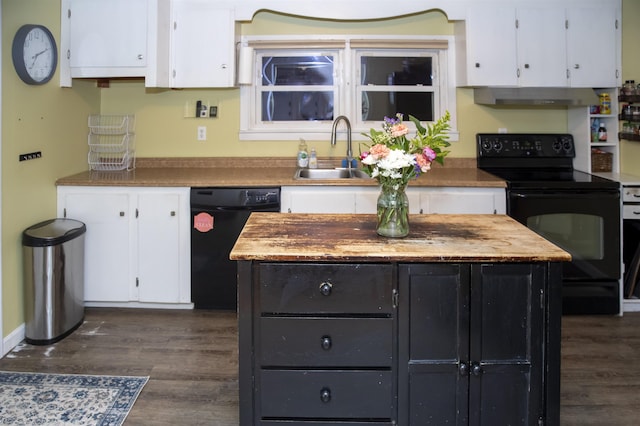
{"x": 393, "y": 211}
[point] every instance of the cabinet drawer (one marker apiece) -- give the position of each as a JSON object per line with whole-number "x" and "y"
{"x": 326, "y": 342}
{"x": 631, "y": 211}
{"x": 326, "y": 394}
{"x": 631, "y": 194}
{"x": 325, "y": 423}
{"x": 325, "y": 288}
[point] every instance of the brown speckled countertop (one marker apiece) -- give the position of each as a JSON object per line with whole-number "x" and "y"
{"x": 203, "y": 172}
{"x": 352, "y": 237}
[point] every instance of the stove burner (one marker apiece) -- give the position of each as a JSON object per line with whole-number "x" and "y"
{"x": 541, "y": 161}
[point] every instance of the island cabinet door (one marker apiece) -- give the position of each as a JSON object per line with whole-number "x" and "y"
{"x": 470, "y": 344}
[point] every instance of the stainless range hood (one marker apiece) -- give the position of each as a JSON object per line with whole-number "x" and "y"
{"x": 535, "y": 96}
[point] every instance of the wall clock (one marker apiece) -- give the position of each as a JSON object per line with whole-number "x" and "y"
{"x": 35, "y": 54}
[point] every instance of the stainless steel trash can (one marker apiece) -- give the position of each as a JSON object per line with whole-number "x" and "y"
{"x": 54, "y": 279}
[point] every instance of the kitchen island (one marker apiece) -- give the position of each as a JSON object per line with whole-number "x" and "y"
{"x": 458, "y": 323}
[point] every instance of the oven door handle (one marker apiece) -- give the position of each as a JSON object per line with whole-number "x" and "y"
{"x": 565, "y": 194}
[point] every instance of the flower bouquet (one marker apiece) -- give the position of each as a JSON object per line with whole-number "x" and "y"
{"x": 393, "y": 158}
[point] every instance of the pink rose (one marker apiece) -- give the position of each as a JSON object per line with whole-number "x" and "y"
{"x": 423, "y": 163}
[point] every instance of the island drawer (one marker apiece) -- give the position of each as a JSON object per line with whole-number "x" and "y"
{"x": 326, "y": 342}
{"x": 327, "y": 394}
{"x": 328, "y": 288}
{"x": 631, "y": 194}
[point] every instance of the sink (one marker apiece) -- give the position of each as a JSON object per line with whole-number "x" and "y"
{"x": 328, "y": 174}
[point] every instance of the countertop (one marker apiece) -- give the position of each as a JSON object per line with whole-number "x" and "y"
{"x": 352, "y": 237}
{"x": 203, "y": 172}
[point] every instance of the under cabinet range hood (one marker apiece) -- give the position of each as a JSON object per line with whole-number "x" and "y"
{"x": 537, "y": 96}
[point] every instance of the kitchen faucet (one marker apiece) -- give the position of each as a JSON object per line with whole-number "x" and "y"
{"x": 333, "y": 137}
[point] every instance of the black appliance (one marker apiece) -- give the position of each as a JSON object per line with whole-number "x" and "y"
{"x": 577, "y": 211}
{"x": 217, "y": 217}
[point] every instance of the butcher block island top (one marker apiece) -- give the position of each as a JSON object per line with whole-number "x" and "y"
{"x": 353, "y": 238}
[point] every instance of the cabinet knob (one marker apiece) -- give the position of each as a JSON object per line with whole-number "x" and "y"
{"x": 477, "y": 64}
{"x": 173, "y": 213}
{"x": 223, "y": 66}
{"x": 140, "y": 56}
{"x": 325, "y": 395}
{"x": 325, "y": 342}
{"x": 463, "y": 369}
{"x": 121, "y": 214}
{"x": 325, "y": 288}
{"x": 576, "y": 67}
{"x": 476, "y": 370}
{"x": 526, "y": 66}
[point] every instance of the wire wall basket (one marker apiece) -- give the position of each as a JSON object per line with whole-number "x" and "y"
{"x": 111, "y": 142}
{"x": 112, "y": 124}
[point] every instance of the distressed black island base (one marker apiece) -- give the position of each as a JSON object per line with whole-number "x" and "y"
{"x": 458, "y": 323}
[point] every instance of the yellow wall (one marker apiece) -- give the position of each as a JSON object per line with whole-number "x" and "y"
{"x": 162, "y": 130}
{"x": 34, "y": 118}
{"x": 54, "y": 120}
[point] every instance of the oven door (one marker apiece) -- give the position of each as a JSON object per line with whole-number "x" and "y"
{"x": 585, "y": 223}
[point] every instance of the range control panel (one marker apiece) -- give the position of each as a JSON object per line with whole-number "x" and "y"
{"x": 525, "y": 145}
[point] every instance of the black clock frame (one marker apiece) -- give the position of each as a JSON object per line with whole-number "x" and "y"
{"x": 18, "y": 56}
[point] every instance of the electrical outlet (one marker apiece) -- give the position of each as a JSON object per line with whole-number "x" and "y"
{"x": 202, "y": 133}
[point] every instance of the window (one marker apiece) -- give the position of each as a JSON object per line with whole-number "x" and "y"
{"x": 296, "y": 87}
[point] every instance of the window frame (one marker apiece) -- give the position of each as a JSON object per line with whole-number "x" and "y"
{"x": 346, "y": 51}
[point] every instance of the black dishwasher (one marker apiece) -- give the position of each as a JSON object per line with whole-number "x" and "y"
{"x": 217, "y": 217}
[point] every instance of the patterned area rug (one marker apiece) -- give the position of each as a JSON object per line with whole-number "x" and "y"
{"x": 66, "y": 399}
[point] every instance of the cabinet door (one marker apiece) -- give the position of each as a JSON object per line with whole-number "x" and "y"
{"x": 202, "y": 45}
{"x": 542, "y": 53}
{"x": 471, "y": 344}
{"x": 110, "y": 35}
{"x": 107, "y": 243}
{"x": 490, "y": 35}
{"x": 159, "y": 218}
{"x": 462, "y": 201}
{"x": 434, "y": 345}
{"x": 324, "y": 199}
{"x": 506, "y": 344}
{"x": 592, "y": 45}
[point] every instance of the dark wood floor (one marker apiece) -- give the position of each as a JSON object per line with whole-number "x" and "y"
{"x": 191, "y": 358}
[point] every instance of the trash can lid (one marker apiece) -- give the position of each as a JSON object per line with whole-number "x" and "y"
{"x": 52, "y": 232}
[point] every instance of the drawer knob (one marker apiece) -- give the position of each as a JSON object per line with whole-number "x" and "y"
{"x": 325, "y": 395}
{"x": 476, "y": 370}
{"x": 326, "y": 343}
{"x": 325, "y": 288}
{"x": 463, "y": 369}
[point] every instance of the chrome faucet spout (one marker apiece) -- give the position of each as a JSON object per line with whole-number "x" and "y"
{"x": 333, "y": 136}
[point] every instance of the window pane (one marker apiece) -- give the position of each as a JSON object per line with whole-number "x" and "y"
{"x": 297, "y": 70}
{"x": 396, "y": 71}
{"x": 377, "y": 105}
{"x": 297, "y": 106}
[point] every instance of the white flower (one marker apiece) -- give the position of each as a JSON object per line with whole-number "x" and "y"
{"x": 397, "y": 159}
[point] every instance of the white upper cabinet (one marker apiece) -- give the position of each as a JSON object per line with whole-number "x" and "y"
{"x": 541, "y": 53}
{"x": 101, "y": 38}
{"x": 201, "y": 45}
{"x": 547, "y": 44}
{"x": 593, "y": 45}
{"x": 486, "y": 47}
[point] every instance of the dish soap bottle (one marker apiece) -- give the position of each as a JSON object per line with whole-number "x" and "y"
{"x": 303, "y": 156}
{"x": 313, "y": 159}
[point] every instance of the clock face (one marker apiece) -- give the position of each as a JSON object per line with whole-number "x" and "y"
{"x": 35, "y": 54}
{"x": 38, "y": 54}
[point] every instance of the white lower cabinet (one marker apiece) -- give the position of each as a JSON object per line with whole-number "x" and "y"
{"x": 362, "y": 199}
{"x": 137, "y": 245}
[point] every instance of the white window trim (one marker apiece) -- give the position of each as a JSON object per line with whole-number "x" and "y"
{"x": 247, "y": 75}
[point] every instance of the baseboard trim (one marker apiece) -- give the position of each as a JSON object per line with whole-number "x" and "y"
{"x": 13, "y": 339}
